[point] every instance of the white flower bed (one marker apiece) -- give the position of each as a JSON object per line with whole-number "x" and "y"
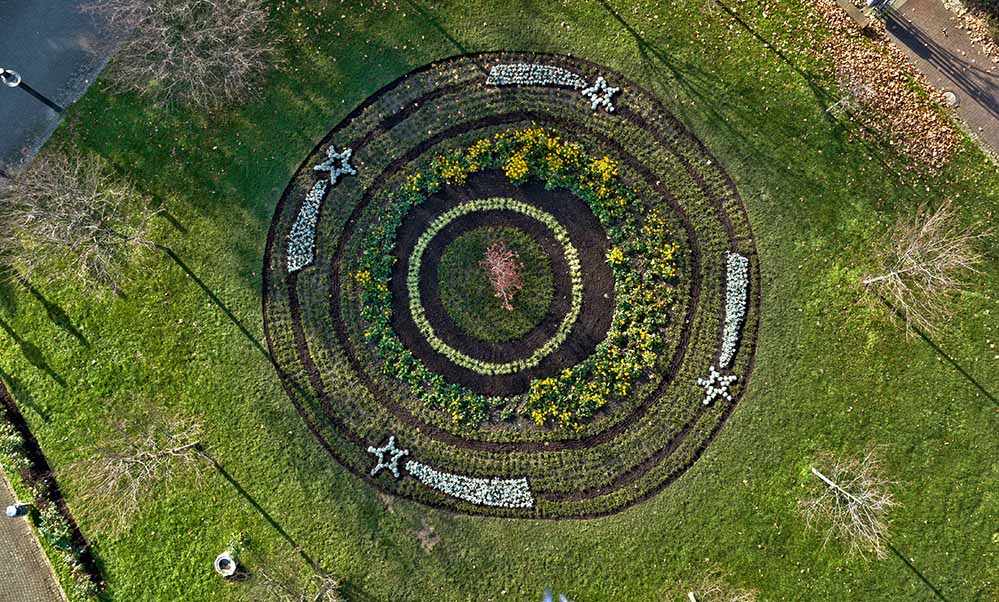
{"x": 715, "y": 385}
{"x": 736, "y": 298}
{"x": 394, "y": 455}
{"x": 601, "y": 95}
{"x": 302, "y": 238}
{"x": 533, "y": 74}
{"x": 337, "y": 164}
{"x": 501, "y": 493}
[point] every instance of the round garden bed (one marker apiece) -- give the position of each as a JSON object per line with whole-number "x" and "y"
{"x": 628, "y": 336}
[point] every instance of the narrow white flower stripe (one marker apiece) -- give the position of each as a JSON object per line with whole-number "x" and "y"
{"x": 533, "y": 74}
{"x": 496, "y": 492}
{"x": 736, "y": 288}
{"x": 715, "y": 385}
{"x": 601, "y": 95}
{"x": 416, "y": 303}
{"x": 302, "y": 238}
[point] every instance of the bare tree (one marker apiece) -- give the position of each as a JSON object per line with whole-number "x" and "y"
{"x": 275, "y": 585}
{"x": 135, "y": 461}
{"x": 714, "y": 587}
{"x": 504, "y": 272}
{"x": 851, "y": 501}
{"x": 69, "y": 217}
{"x": 200, "y": 52}
{"x": 923, "y": 264}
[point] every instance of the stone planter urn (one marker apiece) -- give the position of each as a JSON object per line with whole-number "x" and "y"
{"x": 16, "y": 510}
{"x": 225, "y": 565}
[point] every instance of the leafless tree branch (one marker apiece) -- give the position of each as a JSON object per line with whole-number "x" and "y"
{"x": 134, "y": 462}
{"x": 923, "y": 265}
{"x": 503, "y": 269}
{"x": 714, "y": 587}
{"x": 200, "y": 52}
{"x": 69, "y": 217}
{"x": 851, "y": 500}
{"x": 273, "y": 585}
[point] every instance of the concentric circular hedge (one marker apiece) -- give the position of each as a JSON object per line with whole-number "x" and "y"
{"x": 643, "y": 337}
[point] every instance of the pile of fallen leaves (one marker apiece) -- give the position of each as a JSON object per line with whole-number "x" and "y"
{"x": 890, "y": 96}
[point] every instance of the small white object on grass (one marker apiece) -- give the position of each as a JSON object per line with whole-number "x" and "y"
{"x": 225, "y": 564}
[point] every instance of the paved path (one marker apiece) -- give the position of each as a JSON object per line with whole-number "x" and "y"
{"x": 58, "y": 51}
{"x": 932, "y": 38}
{"x": 25, "y": 573}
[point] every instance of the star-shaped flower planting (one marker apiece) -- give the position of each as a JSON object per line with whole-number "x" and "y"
{"x": 715, "y": 385}
{"x": 394, "y": 455}
{"x": 337, "y": 164}
{"x": 601, "y": 95}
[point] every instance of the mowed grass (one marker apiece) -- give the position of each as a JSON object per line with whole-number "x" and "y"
{"x": 830, "y": 373}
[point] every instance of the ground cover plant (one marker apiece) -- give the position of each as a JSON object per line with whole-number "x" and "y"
{"x": 830, "y": 374}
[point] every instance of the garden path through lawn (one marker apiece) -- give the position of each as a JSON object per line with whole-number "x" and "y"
{"x": 932, "y": 38}
{"x": 25, "y": 573}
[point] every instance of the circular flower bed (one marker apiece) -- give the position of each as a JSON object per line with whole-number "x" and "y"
{"x": 638, "y": 293}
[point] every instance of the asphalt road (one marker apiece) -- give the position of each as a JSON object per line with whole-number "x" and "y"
{"x": 58, "y": 51}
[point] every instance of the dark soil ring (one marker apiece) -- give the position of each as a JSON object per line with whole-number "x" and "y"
{"x": 440, "y": 317}
{"x": 629, "y": 455}
{"x": 587, "y": 236}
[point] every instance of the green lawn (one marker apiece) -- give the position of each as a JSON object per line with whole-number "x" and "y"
{"x": 830, "y": 375}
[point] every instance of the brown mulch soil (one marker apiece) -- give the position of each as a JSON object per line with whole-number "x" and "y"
{"x": 588, "y": 237}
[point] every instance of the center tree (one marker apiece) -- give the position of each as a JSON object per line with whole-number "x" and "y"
{"x": 495, "y": 283}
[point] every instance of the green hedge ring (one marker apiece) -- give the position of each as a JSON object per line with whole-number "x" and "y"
{"x": 416, "y": 303}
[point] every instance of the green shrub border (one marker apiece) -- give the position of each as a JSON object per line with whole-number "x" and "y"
{"x": 32, "y": 481}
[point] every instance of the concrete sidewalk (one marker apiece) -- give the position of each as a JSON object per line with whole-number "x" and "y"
{"x": 932, "y": 38}
{"x": 25, "y": 573}
{"x": 58, "y": 51}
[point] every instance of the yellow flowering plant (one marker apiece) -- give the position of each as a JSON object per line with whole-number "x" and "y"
{"x": 643, "y": 257}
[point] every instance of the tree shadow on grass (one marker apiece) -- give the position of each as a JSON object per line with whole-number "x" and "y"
{"x": 217, "y": 301}
{"x": 720, "y": 102}
{"x": 936, "y": 591}
{"x": 355, "y": 594}
{"x": 24, "y": 397}
{"x": 260, "y": 509}
{"x": 32, "y": 353}
{"x": 57, "y": 315}
{"x": 898, "y": 313}
{"x": 427, "y": 16}
{"x": 8, "y": 295}
{"x": 710, "y": 93}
